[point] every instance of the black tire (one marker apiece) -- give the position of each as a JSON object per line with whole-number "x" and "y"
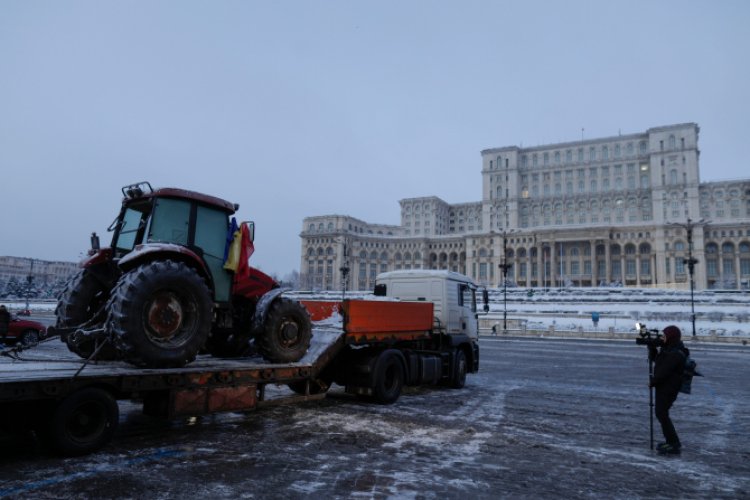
{"x": 388, "y": 377}
{"x": 83, "y": 296}
{"x": 159, "y": 315}
{"x": 460, "y": 367}
{"x": 29, "y": 337}
{"x": 286, "y": 333}
{"x": 83, "y": 422}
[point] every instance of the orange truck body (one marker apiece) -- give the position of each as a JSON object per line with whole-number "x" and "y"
{"x": 376, "y": 320}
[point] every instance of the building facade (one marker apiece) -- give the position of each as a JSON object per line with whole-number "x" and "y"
{"x": 625, "y": 210}
{"x": 42, "y": 271}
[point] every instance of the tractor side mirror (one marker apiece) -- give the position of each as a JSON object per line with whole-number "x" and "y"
{"x": 250, "y": 229}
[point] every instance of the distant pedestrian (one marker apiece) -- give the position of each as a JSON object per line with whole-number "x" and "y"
{"x": 4, "y": 322}
{"x": 494, "y": 329}
{"x": 595, "y": 318}
{"x": 669, "y": 363}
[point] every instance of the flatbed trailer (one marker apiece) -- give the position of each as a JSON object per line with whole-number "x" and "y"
{"x": 372, "y": 348}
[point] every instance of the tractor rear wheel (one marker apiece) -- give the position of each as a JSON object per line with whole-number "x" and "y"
{"x": 81, "y": 299}
{"x": 286, "y": 333}
{"x": 160, "y": 314}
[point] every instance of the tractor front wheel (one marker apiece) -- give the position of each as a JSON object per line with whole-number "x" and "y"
{"x": 286, "y": 332}
{"x": 83, "y": 297}
{"x": 160, "y": 314}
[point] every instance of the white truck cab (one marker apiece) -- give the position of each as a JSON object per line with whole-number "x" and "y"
{"x": 453, "y": 296}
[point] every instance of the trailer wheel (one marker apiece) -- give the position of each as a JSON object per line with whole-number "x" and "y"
{"x": 389, "y": 377}
{"x": 286, "y": 333}
{"x": 83, "y": 296}
{"x": 83, "y": 422}
{"x": 458, "y": 376}
{"x": 160, "y": 314}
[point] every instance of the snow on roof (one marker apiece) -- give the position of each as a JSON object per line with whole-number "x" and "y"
{"x": 425, "y": 273}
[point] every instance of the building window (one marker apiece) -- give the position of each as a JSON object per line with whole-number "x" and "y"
{"x": 630, "y": 267}
{"x": 616, "y": 269}
{"x": 679, "y": 266}
{"x": 712, "y": 269}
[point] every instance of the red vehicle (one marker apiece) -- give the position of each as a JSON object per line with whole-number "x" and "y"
{"x": 25, "y": 331}
{"x": 174, "y": 281}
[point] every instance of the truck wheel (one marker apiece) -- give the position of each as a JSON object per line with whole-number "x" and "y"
{"x": 389, "y": 377}
{"x": 458, "y": 377}
{"x": 83, "y": 422}
{"x": 82, "y": 297}
{"x": 29, "y": 337}
{"x": 159, "y": 314}
{"x": 286, "y": 333}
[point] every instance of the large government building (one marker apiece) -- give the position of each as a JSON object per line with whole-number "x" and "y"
{"x": 626, "y": 210}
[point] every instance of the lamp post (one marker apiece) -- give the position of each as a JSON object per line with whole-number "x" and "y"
{"x": 504, "y": 268}
{"x": 344, "y": 272}
{"x": 690, "y": 261}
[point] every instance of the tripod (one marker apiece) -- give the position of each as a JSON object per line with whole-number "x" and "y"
{"x": 651, "y": 397}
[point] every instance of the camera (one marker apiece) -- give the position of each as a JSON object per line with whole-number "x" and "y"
{"x": 648, "y": 337}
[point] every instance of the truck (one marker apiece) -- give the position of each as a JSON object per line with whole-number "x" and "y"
{"x": 419, "y": 328}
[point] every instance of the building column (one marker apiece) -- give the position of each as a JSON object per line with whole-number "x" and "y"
{"x": 737, "y": 273}
{"x": 607, "y": 264}
{"x": 637, "y": 265}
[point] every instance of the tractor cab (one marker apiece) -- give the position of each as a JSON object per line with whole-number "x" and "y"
{"x": 154, "y": 221}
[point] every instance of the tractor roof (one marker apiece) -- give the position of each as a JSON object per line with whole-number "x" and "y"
{"x": 144, "y": 190}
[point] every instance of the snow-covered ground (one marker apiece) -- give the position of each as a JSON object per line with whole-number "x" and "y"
{"x": 718, "y": 314}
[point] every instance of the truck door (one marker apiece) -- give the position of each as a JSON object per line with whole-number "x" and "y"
{"x": 468, "y": 309}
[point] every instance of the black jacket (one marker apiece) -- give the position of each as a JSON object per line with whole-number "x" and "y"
{"x": 669, "y": 364}
{"x": 4, "y": 321}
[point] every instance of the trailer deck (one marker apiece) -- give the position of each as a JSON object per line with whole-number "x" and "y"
{"x": 207, "y": 385}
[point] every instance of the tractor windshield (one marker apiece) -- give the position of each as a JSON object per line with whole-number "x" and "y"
{"x": 129, "y": 226}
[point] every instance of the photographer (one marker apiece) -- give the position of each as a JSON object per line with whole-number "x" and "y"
{"x": 669, "y": 363}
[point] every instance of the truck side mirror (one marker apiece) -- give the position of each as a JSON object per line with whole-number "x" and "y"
{"x": 486, "y": 300}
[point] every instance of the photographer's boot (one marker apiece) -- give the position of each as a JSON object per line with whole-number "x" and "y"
{"x": 669, "y": 449}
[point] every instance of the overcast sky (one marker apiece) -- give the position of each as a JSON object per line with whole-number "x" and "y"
{"x": 299, "y": 108}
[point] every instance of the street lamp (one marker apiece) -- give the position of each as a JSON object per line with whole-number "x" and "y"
{"x": 504, "y": 267}
{"x": 690, "y": 261}
{"x": 344, "y": 272}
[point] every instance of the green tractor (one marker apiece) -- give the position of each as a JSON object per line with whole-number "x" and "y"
{"x": 175, "y": 281}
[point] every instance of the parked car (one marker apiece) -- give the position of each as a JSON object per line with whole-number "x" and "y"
{"x": 25, "y": 331}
